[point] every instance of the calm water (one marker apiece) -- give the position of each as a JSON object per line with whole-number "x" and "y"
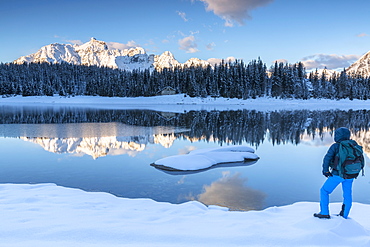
{"x": 111, "y": 151}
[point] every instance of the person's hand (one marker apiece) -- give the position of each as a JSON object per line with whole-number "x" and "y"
{"x": 327, "y": 174}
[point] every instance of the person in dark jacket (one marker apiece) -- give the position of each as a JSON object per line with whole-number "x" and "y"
{"x": 333, "y": 178}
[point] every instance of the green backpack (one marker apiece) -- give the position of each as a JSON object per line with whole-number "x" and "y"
{"x": 350, "y": 159}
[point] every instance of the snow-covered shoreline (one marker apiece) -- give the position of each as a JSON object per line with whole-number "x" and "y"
{"x": 49, "y": 215}
{"x": 181, "y": 103}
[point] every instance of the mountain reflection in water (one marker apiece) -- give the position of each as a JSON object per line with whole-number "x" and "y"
{"x": 97, "y": 132}
{"x": 94, "y": 139}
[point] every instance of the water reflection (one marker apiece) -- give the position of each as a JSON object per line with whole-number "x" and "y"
{"x": 94, "y": 139}
{"x": 129, "y": 140}
{"x": 57, "y": 128}
{"x": 220, "y": 165}
{"x": 230, "y": 191}
{"x": 94, "y": 146}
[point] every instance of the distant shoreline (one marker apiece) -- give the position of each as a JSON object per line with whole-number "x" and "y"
{"x": 181, "y": 103}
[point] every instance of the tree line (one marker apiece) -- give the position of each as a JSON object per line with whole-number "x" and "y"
{"x": 224, "y": 127}
{"x": 227, "y": 79}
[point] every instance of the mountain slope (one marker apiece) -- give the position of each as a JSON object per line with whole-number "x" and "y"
{"x": 361, "y": 66}
{"x": 97, "y": 53}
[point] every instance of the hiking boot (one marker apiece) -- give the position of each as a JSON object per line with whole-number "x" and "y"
{"x": 341, "y": 213}
{"x": 322, "y": 216}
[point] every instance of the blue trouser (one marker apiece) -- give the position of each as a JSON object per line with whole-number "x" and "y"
{"x": 328, "y": 187}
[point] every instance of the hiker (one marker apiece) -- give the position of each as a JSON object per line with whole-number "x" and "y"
{"x": 332, "y": 169}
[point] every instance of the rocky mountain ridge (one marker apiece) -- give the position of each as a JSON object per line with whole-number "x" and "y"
{"x": 361, "y": 66}
{"x": 98, "y": 53}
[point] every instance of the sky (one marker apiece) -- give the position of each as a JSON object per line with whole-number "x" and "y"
{"x": 331, "y": 33}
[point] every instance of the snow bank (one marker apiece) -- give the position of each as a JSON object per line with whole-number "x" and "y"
{"x": 46, "y": 215}
{"x": 181, "y": 103}
{"x": 206, "y": 158}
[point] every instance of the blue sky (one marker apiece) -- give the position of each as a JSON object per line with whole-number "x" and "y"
{"x": 320, "y": 33}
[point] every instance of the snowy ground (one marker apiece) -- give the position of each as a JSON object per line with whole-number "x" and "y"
{"x": 48, "y": 215}
{"x": 181, "y": 103}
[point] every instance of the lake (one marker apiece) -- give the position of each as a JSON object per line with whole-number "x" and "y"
{"x": 111, "y": 151}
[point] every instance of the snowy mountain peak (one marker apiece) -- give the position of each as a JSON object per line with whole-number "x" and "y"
{"x": 361, "y": 66}
{"x": 134, "y": 51}
{"x": 92, "y": 53}
{"x": 53, "y": 53}
{"x": 98, "y": 53}
{"x": 196, "y": 62}
{"x": 168, "y": 54}
{"x": 93, "y": 45}
{"x": 165, "y": 60}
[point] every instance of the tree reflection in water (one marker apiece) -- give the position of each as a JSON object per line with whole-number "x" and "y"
{"x": 233, "y": 127}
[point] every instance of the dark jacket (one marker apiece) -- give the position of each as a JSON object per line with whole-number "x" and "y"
{"x": 340, "y": 134}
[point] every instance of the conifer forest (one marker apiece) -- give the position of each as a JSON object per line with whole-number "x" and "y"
{"x": 227, "y": 79}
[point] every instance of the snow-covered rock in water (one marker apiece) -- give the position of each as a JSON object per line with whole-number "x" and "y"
{"x": 206, "y": 158}
{"x": 361, "y": 66}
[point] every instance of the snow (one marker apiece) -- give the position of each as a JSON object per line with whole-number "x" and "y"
{"x": 94, "y": 52}
{"x": 99, "y": 53}
{"x": 206, "y": 158}
{"x": 196, "y": 62}
{"x": 165, "y": 60}
{"x": 361, "y": 66}
{"x": 49, "y": 215}
{"x": 182, "y": 103}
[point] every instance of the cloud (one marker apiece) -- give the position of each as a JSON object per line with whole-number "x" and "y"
{"x": 326, "y": 139}
{"x": 111, "y": 45}
{"x": 330, "y": 61}
{"x": 180, "y": 33}
{"x": 234, "y": 10}
{"x": 230, "y": 191}
{"x": 281, "y": 61}
{"x": 75, "y": 41}
{"x": 182, "y": 15}
{"x": 187, "y": 149}
{"x": 150, "y": 42}
{"x": 188, "y": 44}
{"x": 362, "y": 35}
{"x": 210, "y": 46}
{"x": 214, "y": 61}
{"x": 120, "y": 46}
